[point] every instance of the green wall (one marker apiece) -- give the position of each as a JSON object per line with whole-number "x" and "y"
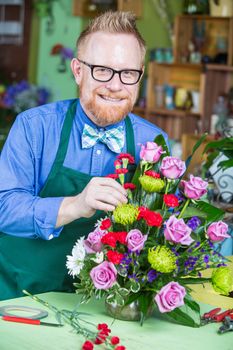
{"x": 67, "y": 29}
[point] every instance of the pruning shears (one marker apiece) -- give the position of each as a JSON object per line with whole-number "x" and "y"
{"x": 215, "y": 316}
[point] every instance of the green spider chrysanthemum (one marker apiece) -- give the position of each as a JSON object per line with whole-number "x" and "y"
{"x": 125, "y": 214}
{"x": 222, "y": 280}
{"x": 151, "y": 184}
{"x": 162, "y": 259}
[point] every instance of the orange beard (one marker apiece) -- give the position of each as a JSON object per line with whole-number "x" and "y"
{"x": 102, "y": 114}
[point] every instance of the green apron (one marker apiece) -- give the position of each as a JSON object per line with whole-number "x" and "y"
{"x": 39, "y": 265}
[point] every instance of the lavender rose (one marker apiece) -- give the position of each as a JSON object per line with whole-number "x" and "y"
{"x": 93, "y": 242}
{"x": 195, "y": 187}
{"x": 172, "y": 167}
{"x": 151, "y": 152}
{"x": 104, "y": 275}
{"x": 135, "y": 240}
{"x": 170, "y": 297}
{"x": 177, "y": 231}
{"x": 217, "y": 231}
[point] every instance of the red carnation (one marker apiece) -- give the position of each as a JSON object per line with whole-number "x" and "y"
{"x": 112, "y": 176}
{"x": 109, "y": 239}
{"x": 171, "y": 200}
{"x": 121, "y": 236}
{"x": 142, "y": 212}
{"x": 126, "y": 156}
{"x": 120, "y": 347}
{"x": 117, "y": 164}
{"x": 88, "y": 345}
{"x": 129, "y": 185}
{"x": 105, "y": 224}
{"x": 114, "y": 257}
{"x": 121, "y": 171}
{"x": 152, "y": 173}
{"x": 153, "y": 219}
{"x": 115, "y": 340}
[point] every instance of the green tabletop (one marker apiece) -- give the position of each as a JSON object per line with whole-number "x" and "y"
{"x": 156, "y": 333}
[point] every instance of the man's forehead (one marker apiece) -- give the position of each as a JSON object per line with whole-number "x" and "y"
{"x": 120, "y": 46}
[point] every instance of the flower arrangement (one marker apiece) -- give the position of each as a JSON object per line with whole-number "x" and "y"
{"x": 152, "y": 249}
{"x": 23, "y": 95}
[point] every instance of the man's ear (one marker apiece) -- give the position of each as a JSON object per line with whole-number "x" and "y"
{"x": 76, "y": 69}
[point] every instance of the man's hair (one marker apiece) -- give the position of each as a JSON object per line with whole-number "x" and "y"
{"x": 116, "y": 22}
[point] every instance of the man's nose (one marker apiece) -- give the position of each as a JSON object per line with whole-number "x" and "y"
{"x": 115, "y": 83}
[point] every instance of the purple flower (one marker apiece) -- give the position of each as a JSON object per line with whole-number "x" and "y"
{"x": 135, "y": 240}
{"x": 152, "y": 275}
{"x": 172, "y": 167}
{"x": 195, "y": 187}
{"x": 93, "y": 242}
{"x": 194, "y": 222}
{"x": 104, "y": 275}
{"x": 170, "y": 297}
{"x": 151, "y": 152}
{"x": 177, "y": 231}
{"x": 217, "y": 231}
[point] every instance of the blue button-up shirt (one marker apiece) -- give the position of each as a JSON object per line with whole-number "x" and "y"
{"x": 27, "y": 158}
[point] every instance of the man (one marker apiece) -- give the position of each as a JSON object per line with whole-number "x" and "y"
{"x": 54, "y": 163}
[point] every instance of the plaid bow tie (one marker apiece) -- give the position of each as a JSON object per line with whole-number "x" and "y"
{"x": 113, "y": 138}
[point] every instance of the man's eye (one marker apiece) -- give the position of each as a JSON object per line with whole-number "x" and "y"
{"x": 102, "y": 70}
{"x": 128, "y": 73}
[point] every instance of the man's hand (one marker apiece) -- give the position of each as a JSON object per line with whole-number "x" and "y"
{"x": 100, "y": 194}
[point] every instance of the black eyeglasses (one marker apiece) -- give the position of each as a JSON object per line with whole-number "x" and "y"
{"x": 104, "y": 74}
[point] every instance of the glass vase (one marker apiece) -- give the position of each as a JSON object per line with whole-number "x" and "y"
{"x": 130, "y": 312}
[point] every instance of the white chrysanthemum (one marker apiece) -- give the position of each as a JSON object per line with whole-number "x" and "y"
{"x": 75, "y": 262}
{"x": 99, "y": 257}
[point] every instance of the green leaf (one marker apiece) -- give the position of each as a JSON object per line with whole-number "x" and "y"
{"x": 212, "y": 213}
{"x": 192, "y": 211}
{"x": 196, "y": 146}
{"x": 194, "y": 280}
{"x": 123, "y": 291}
{"x": 160, "y": 140}
{"x": 134, "y": 286}
{"x": 145, "y": 303}
{"x": 225, "y": 164}
{"x": 192, "y": 304}
{"x": 222, "y": 144}
{"x": 182, "y": 317}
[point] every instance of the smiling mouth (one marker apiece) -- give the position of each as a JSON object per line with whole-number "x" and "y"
{"x": 111, "y": 99}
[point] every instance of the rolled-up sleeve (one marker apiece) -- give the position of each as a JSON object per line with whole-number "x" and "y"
{"x": 22, "y": 212}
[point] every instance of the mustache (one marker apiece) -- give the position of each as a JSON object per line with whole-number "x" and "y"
{"x": 106, "y": 93}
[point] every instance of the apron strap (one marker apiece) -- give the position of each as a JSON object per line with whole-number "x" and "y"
{"x": 64, "y": 141}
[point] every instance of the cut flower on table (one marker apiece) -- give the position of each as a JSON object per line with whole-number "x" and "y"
{"x": 154, "y": 247}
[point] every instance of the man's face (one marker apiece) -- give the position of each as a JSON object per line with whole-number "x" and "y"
{"x": 107, "y": 103}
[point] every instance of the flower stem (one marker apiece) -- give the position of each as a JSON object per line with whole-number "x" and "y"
{"x": 184, "y": 208}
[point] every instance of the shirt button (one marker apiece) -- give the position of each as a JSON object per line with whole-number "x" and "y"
{"x": 98, "y": 152}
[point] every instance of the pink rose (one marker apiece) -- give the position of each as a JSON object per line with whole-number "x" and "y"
{"x": 177, "y": 231}
{"x": 170, "y": 297}
{"x": 104, "y": 275}
{"x": 172, "y": 167}
{"x": 217, "y": 231}
{"x": 135, "y": 240}
{"x": 93, "y": 242}
{"x": 195, "y": 187}
{"x": 151, "y": 152}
